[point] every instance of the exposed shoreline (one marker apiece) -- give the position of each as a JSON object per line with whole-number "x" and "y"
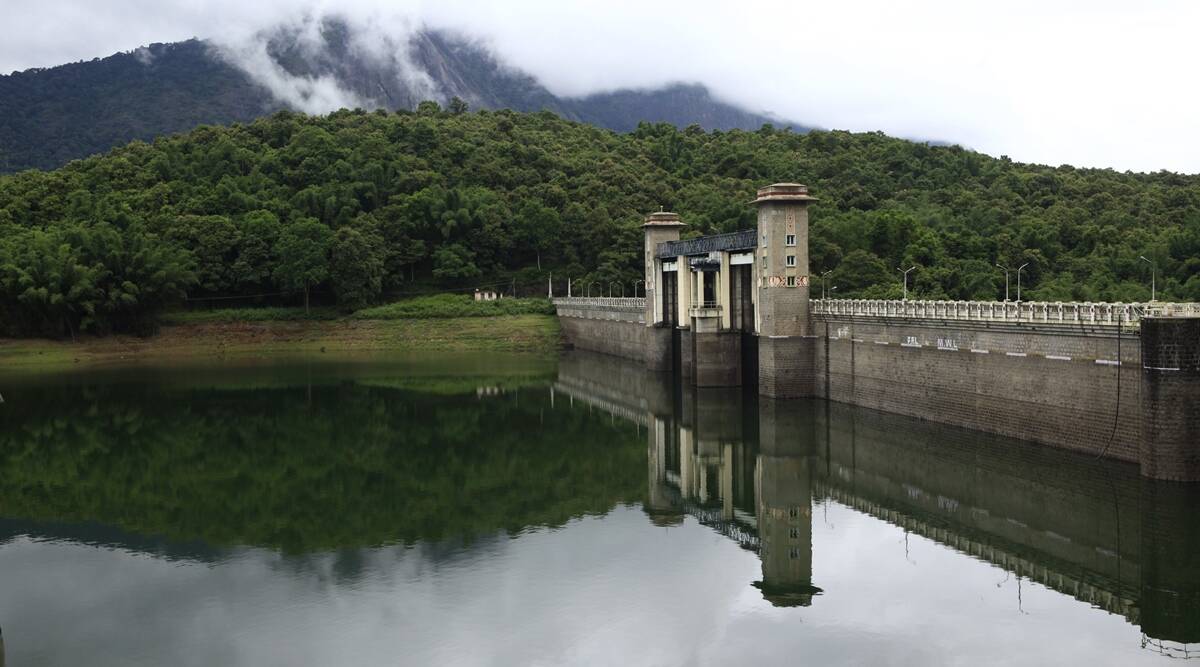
{"x": 508, "y": 333}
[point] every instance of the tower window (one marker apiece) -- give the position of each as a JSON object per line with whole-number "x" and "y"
{"x": 791, "y": 281}
{"x": 791, "y": 239}
{"x": 791, "y": 260}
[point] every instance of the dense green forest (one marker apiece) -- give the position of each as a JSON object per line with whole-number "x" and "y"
{"x": 357, "y": 206}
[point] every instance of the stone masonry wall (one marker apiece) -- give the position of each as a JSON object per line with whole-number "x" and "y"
{"x": 718, "y": 358}
{"x": 786, "y": 366}
{"x": 616, "y": 331}
{"x": 1048, "y": 385}
{"x": 1171, "y": 420}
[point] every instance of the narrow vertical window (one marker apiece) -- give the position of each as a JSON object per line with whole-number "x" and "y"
{"x": 791, "y": 239}
{"x": 791, "y": 260}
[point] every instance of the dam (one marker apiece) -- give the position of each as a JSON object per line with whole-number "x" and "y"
{"x": 1110, "y": 380}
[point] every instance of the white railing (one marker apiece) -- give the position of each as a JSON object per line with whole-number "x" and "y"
{"x": 1159, "y": 309}
{"x": 1007, "y": 311}
{"x": 1046, "y": 312}
{"x": 613, "y": 302}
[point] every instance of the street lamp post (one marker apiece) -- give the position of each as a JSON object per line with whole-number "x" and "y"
{"x": 824, "y": 281}
{"x": 1019, "y": 268}
{"x": 905, "y": 272}
{"x": 1153, "y": 277}
{"x": 1005, "y": 268}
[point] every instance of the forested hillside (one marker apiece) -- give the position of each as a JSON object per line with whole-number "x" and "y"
{"x": 359, "y": 204}
{"x": 51, "y": 116}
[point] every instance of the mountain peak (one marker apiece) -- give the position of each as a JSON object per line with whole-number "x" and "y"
{"x": 53, "y": 115}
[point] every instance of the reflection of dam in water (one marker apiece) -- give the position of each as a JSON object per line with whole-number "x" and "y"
{"x": 751, "y": 469}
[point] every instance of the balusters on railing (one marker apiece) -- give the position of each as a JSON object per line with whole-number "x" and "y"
{"x": 1042, "y": 312}
{"x": 601, "y": 301}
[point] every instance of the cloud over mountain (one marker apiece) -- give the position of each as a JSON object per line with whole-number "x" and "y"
{"x": 1092, "y": 84}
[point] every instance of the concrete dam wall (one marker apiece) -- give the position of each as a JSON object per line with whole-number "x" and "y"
{"x": 1070, "y": 389}
{"x": 1056, "y": 388}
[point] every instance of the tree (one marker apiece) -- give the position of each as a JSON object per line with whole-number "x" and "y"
{"x": 537, "y": 226}
{"x": 356, "y": 268}
{"x": 429, "y": 108}
{"x": 259, "y": 231}
{"x": 213, "y": 241}
{"x": 458, "y": 106}
{"x": 141, "y": 277}
{"x": 400, "y": 238}
{"x": 302, "y": 252}
{"x": 860, "y": 270}
{"x": 454, "y": 263}
{"x": 53, "y": 283}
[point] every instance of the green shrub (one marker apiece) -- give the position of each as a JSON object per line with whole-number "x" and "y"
{"x": 260, "y": 314}
{"x": 455, "y": 305}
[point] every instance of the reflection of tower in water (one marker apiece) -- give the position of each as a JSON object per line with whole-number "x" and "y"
{"x": 661, "y": 503}
{"x": 783, "y": 490}
{"x": 702, "y": 464}
{"x": 785, "y": 530}
{"x": 1170, "y": 568}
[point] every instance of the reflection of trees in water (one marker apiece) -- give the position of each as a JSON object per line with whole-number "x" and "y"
{"x": 322, "y": 467}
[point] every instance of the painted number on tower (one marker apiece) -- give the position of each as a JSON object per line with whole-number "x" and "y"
{"x": 790, "y": 281}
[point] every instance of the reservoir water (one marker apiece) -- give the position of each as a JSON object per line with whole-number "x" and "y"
{"x": 473, "y": 510}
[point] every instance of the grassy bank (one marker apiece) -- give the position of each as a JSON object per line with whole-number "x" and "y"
{"x": 428, "y": 324}
{"x": 436, "y": 306}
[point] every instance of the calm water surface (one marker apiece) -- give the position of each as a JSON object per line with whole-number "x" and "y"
{"x": 509, "y": 511}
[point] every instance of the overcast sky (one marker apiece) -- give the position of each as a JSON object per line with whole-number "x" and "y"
{"x": 1089, "y": 83}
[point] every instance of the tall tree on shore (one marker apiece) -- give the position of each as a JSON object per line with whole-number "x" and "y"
{"x": 356, "y": 268}
{"x": 303, "y": 256}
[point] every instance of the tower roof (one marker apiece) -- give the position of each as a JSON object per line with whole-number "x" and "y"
{"x": 788, "y": 595}
{"x": 783, "y": 192}
{"x": 663, "y": 219}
